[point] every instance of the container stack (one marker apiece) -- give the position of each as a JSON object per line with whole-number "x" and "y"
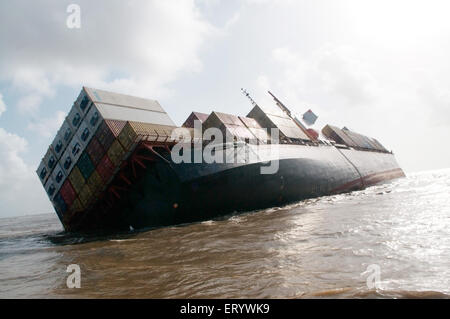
{"x": 363, "y": 141}
{"x": 261, "y": 134}
{"x": 352, "y": 139}
{"x": 99, "y": 133}
{"x": 271, "y": 117}
{"x": 336, "y": 134}
{"x": 236, "y": 127}
{"x": 230, "y": 126}
{"x": 195, "y": 116}
{"x": 360, "y": 140}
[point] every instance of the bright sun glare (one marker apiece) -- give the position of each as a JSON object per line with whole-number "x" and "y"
{"x": 400, "y": 22}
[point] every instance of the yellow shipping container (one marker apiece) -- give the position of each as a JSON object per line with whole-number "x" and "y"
{"x": 95, "y": 183}
{"x": 151, "y": 132}
{"x": 76, "y": 206}
{"x": 116, "y": 153}
{"x": 85, "y": 196}
{"x": 77, "y": 179}
{"x": 127, "y": 137}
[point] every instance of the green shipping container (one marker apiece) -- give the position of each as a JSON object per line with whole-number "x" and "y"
{"x": 85, "y": 165}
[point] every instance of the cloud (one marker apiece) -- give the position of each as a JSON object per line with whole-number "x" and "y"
{"x": 20, "y": 190}
{"x": 435, "y": 100}
{"x": 232, "y": 21}
{"x": 400, "y": 105}
{"x": 138, "y": 49}
{"x": 12, "y": 167}
{"x": 30, "y": 78}
{"x": 47, "y": 127}
{"x": 333, "y": 80}
{"x": 18, "y": 180}
{"x": 330, "y": 70}
{"x": 29, "y": 103}
{"x": 2, "y": 105}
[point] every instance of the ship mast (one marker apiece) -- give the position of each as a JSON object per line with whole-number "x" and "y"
{"x": 288, "y": 112}
{"x": 281, "y": 105}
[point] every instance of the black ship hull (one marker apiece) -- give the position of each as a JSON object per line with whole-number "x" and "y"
{"x": 171, "y": 194}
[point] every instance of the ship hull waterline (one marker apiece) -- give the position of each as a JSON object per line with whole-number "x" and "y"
{"x": 172, "y": 194}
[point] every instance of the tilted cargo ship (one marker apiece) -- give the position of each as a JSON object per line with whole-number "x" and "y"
{"x": 120, "y": 162}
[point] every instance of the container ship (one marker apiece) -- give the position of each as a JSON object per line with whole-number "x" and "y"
{"x": 119, "y": 162}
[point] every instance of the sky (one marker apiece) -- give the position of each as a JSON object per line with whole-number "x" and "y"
{"x": 381, "y": 68}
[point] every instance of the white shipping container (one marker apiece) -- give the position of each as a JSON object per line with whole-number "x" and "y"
{"x": 113, "y": 112}
{"x": 46, "y": 166}
{"x": 105, "y": 97}
{"x": 93, "y": 119}
{"x": 43, "y": 172}
{"x": 58, "y": 176}
{"x": 58, "y": 146}
{"x": 85, "y": 133}
{"x": 66, "y": 132}
{"x": 50, "y": 188}
{"x": 67, "y": 161}
{"x": 50, "y": 159}
{"x": 84, "y": 103}
{"x": 75, "y": 117}
{"x": 80, "y": 96}
{"x": 75, "y": 148}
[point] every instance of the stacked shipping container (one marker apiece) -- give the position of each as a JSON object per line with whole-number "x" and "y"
{"x": 230, "y": 126}
{"x": 275, "y": 118}
{"x": 90, "y": 146}
{"x": 334, "y": 133}
{"x": 195, "y": 116}
{"x": 352, "y": 139}
{"x": 237, "y": 127}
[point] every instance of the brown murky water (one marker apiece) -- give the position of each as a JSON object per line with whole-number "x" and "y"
{"x": 326, "y": 247}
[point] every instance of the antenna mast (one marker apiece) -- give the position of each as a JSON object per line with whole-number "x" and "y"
{"x": 244, "y": 91}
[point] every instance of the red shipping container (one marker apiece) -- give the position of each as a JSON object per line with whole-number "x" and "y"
{"x": 312, "y": 133}
{"x": 105, "y": 169}
{"x": 68, "y": 192}
{"x": 95, "y": 151}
